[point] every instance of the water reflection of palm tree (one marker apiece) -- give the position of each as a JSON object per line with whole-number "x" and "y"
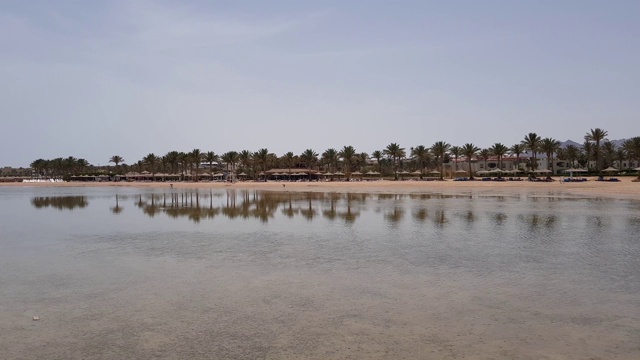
{"x": 395, "y": 215}
{"x": 309, "y": 212}
{"x": 117, "y": 209}
{"x": 330, "y": 213}
{"x": 421, "y": 214}
{"x": 60, "y": 202}
{"x": 441, "y": 218}
{"x": 499, "y": 218}
{"x": 288, "y": 210}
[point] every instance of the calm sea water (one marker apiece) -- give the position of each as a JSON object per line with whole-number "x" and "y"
{"x": 148, "y": 273}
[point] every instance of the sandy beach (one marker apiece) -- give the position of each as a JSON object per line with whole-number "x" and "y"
{"x": 625, "y": 189}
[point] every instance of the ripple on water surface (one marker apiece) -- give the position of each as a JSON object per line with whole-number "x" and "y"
{"x": 249, "y": 274}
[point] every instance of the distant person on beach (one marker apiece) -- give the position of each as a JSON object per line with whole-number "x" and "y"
{"x": 171, "y": 185}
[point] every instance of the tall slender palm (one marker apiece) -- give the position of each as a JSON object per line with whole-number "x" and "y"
{"x": 116, "y": 159}
{"x": 395, "y": 152}
{"x": 151, "y": 161}
{"x": 378, "y": 156}
{"x": 439, "y": 150}
{"x": 330, "y": 156}
{"x": 173, "y": 159}
{"x": 38, "y": 166}
{"x": 211, "y": 157}
{"x": 230, "y": 158}
{"x": 620, "y": 155}
{"x": 632, "y": 147}
{"x": 245, "y": 158}
{"x": 470, "y": 151}
{"x": 456, "y": 151}
{"x": 164, "y": 164}
{"x": 261, "y": 157}
{"x": 309, "y": 158}
{"x": 499, "y": 150}
{"x": 588, "y": 151}
{"x": 532, "y": 143}
{"x": 596, "y": 135}
{"x": 421, "y": 155}
{"x": 516, "y": 150}
{"x": 70, "y": 165}
{"x": 572, "y": 153}
{"x": 289, "y": 159}
{"x": 484, "y": 154}
{"x": 347, "y": 154}
{"x": 550, "y": 146}
{"x": 196, "y": 159}
{"x": 184, "y": 162}
{"x": 608, "y": 153}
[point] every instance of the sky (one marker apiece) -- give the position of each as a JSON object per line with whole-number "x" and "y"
{"x": 125, "y": 77}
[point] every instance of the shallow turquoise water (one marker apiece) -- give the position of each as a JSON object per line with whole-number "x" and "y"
{"x": 148, "y": 273}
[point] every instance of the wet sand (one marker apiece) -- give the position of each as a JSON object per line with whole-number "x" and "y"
{"x": 625, "y": 189}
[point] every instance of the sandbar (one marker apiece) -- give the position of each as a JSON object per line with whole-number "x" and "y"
{"x": 625, "y": 189}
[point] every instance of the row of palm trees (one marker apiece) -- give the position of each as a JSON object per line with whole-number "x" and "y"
{"x": 596, "y": 152}
{"x": 60, "y": 167}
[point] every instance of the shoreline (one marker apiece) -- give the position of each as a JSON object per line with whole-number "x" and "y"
{"x": 625, "y": 189}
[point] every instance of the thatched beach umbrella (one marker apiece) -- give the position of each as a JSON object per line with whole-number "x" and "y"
{"x": 610, "y": 169}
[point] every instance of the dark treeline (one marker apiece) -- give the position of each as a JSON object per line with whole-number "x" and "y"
{"x": 596, "y": 153}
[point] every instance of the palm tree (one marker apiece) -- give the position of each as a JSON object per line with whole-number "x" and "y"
{"x": 196, "y": 159}
{"x": 347, "y": 153}
{"x": 151, "y": 161}
{"x": 421, "y": 154}
{"x": 469, "y": 151}
{"x": 499, "y": 150}
{"x": 550, "y": 146}
{"x": 439, "y": 150}
{"x": 245, "y": 158}
{"x": 609, "y": 153}
{"x": 456, "y": 151}
{"x": 531, "y": 142}
{"x": 211, "y": 157}
{"x": 288, "y": 159}
{"x": 173, "y": 158}
{"x": 395, "y": 152}
{"x": 484, "y": 155}
{"x": 184, "y": 161}
{"x": 261, "y": 157}
{"x": 516, "y": 150}
{"x": 70, "y": 165}
{"x": 309, "y": 158}
{"x": 588, "y": 152}
{"x": 620, "y": 155}
{"x": 632, "y": 147}
{"x": 572, "y": 153}
{"x": 330, "y": 156}
{"x": 82, "y": 164}
{"x": 116, "y": 159}
{"x": 38, "y": 166}
{"x": 230, "y": 158}
{"x": 596, "y": 135}
{"x": 361, "y": 160}
{"x": 378, "y": 156}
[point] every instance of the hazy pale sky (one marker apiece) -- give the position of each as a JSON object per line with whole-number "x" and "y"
{"x": 94, "y": 79}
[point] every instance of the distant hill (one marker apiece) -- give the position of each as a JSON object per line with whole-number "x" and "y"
{"x": 566, "y": 143}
